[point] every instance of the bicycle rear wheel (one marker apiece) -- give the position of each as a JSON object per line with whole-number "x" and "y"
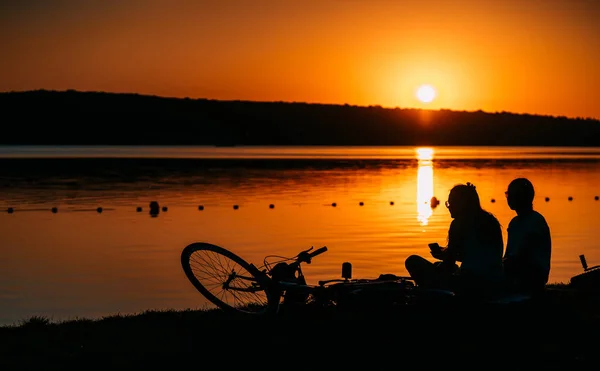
{"x": 227, "y": 280}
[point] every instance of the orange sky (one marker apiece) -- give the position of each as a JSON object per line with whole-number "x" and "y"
{"x": 528, "y": 56}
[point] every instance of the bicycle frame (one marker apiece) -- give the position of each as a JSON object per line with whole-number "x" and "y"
{"x": 274, "y": 279}
{"x": 295, "y": 290}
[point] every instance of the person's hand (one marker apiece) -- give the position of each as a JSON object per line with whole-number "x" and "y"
{"x": 439, "y": 255}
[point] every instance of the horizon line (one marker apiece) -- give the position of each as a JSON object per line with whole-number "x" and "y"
{"x": 300, "y": 102}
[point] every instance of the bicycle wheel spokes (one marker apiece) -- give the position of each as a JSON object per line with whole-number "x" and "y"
{"x": 224, "y": 279}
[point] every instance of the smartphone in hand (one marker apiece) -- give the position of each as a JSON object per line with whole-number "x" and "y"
{"x": 435, "y": 247}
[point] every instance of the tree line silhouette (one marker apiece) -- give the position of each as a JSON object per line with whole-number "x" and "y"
{"x": 93, "y": 118}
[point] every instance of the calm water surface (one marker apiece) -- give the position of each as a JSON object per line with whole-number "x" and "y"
{"x": 81, "y": 263}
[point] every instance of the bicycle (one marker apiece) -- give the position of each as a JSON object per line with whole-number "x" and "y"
{"x": 238, "y": 286}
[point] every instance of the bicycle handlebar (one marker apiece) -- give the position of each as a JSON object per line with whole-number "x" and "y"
{"x": 306, "y": 256}
{"x": 318, "y": 251}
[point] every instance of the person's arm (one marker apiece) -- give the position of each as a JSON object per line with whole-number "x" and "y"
{"x": 529, "y": 245}
{"x": 527, "y": 254}
{"x": 438, "y": 253}
{"x": 446, "y": 254}
{"x": 452, "y": 251}
{"x": 451, "y": 255}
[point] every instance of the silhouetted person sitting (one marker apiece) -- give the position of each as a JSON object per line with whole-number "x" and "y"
{"x": 529, "y": 247}
{"x": 474, "y": 240}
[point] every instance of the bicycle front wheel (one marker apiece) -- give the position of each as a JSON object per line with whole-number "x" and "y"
{"x": 227, "y": 280}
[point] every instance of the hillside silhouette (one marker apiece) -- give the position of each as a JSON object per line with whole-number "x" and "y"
{"x": 44, "y": 117}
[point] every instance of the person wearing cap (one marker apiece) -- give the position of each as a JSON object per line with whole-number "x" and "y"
{"x": 529, "y": 245}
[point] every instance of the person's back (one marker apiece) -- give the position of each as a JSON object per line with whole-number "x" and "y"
{"x": 529, "y": 245}
{"x": 481, "y": 269}
{"x": 483, "y": 258}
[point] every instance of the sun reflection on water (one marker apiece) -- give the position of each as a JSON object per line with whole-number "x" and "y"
{"x": 424, "y": 184}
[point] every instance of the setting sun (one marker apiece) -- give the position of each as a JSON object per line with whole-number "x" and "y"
{"x": 426, "y": 93}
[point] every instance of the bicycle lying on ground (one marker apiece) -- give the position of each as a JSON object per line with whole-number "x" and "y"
{"x": 235, "y": 285}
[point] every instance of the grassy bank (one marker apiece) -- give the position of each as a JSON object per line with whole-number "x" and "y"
{"x": 558, "y": 332}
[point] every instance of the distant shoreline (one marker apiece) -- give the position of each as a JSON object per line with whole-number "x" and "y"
{"x": 95, "y": 118}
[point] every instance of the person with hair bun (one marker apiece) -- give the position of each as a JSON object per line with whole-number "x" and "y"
{"x": 474, "y": 240}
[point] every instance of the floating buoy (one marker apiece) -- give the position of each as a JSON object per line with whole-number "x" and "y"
{"x": 54, "y": 210}
{"x": 570, "y": 198}
{"x": 271, "y": 206}
{"x": 361, "y": 203}
{"x": 493, "y": 200}
{"x": 200, "y": 207}
{"x": 138, "y": 209}
{"x": 392, "y": 203}
{"x": 10, "y": 210}
{"x": 154, "y": 208}
{"x": 99, "y": 210}
{"x": 334, "y": 204}
{"x": 164, "y": 208}
{"x": 235, "y": 207}
{"x": 547, "y": 199}
{"x": 596, "y": 198}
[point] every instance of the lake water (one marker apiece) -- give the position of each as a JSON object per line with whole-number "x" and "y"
{"x": 81, "y": 263}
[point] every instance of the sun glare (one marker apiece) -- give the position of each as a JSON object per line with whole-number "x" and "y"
{"x": 424, "y": 184}
{"x": 424, "y": 153}
{"x": 426, "y": 93}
